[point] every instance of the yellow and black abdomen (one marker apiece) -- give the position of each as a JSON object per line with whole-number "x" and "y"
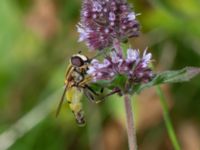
{"x": 74, "y": 96}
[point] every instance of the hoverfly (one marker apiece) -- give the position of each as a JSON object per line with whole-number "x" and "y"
{"x": 76, "y": 83}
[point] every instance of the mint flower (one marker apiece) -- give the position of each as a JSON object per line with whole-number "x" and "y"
{"x": 134, "y": 66}
{"x": 102, "y": 21}
{"x": 105, "y": 24}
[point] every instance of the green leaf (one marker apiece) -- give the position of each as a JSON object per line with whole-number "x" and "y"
{"x": 119, "y": 81}
{"x": 176, "y": 76}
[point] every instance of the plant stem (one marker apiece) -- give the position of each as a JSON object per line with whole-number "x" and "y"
{"x": 167, "y": 119}
{"x": 130, "y": 123}
{"x": 128, "y": 108}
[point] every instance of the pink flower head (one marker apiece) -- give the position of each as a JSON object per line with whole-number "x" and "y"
{"x": 134, "y": 66}
{"x": 104, "y": 20}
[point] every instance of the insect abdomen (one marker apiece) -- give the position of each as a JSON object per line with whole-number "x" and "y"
{"x": 74, "y": 99}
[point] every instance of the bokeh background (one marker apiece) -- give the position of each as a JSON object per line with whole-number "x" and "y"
{"x": 37, "y": 38}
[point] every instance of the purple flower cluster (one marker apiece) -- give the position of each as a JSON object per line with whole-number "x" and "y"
{"x": 102, "y": 21}
{"x": 134, "y": 66}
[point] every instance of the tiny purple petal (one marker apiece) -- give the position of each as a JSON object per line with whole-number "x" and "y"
{"x": 106, "y": 63}
{"x": 97, "y": 7}
{"x": 95, "y": 63}
{"x": 131, "y": 16}
{"x": 91, "y": 70}
{"x": 115, "y": 58}
{"x": 112, "y": 16}
{"x": 132, "y": 55}
{"x": 146, "y": 57}
{"x": 83, "y": 34}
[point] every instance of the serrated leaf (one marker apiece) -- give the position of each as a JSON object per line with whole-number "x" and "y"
{"x": 176, "y": 76}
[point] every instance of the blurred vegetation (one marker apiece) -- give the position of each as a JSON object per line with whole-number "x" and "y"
{"x": 38, "y": 37}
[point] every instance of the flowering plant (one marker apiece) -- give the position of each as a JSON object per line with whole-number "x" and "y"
{"x": 104, "y": 21}
{"x": 105, "y": 25}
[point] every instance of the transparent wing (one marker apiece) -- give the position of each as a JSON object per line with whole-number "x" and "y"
{"x": 68, "y": 72}
{"x": 61, "y": 101}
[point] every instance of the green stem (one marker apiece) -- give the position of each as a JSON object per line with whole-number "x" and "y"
{"x": 130, "y": 123}
{"x": 167, "y": 119}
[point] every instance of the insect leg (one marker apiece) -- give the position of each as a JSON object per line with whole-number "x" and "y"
{"x": 89, "y": 95}
{"x": 111, "y": 93}
{"x": 90, "y": 89}
{"x": 85, "y": 81}
{"x": 100, "y": 99}
{"x": 69, "y": 70}
{"x": 97, "y": 97}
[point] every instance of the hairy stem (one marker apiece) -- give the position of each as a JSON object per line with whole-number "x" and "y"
{"x": 130, "y": 123}
{"x": 167, "y": 119}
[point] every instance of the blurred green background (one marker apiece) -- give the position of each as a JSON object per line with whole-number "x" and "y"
{"x": 37, "y": 38}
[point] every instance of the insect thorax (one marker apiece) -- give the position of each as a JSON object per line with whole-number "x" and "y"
{"x": 77, "y": 77}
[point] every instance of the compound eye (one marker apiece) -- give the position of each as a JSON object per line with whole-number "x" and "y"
{"x": 77, "y": 61}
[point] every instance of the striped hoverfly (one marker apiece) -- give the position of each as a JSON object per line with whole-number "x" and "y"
{"x": 77, "y": 83}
